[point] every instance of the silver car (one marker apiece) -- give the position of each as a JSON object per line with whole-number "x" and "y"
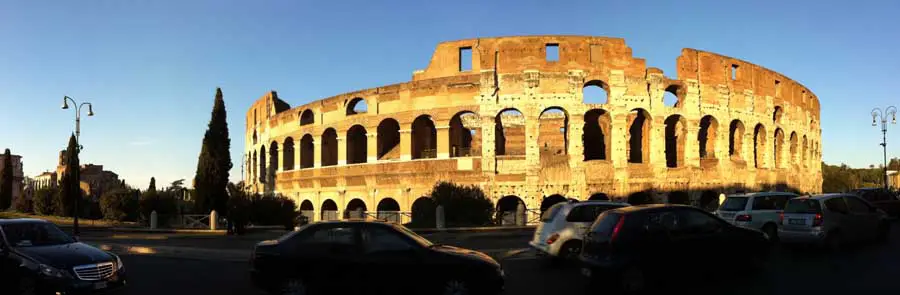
{"x": 831, "y": 220}
{"x": 563, "y": 225}
{"x": 759, "y": 211}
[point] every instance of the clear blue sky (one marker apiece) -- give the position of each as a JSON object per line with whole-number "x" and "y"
{"x": 151, "y": 67}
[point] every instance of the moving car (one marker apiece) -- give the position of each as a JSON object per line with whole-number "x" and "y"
{"x": 633, "y": 248}
{"x": 563, "y": 226}
{"x": 36, "y": 257}
{"x": 759, "y": 211}
{"x": 881, "y": 198}
{"x": 369, "y": 257}
{"x": 831, "y": 220}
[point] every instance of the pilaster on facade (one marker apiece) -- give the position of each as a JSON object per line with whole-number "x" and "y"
{"x": 443, "y": 141}
{"x": 692, "y": 145}
{"x": 405, "y": 144}
{"x": 690, "y": 107}
{"x": 488, "y": 143}
{"x": 371, "y": 147}
{"x": 317, "y": 151}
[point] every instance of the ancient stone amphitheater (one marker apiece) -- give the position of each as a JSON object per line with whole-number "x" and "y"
{"x": 537, "y": 120}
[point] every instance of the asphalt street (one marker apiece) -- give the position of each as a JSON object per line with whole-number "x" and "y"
{"x": 867, "y": 269}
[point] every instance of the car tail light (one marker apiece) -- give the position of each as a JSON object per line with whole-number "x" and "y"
{"x": 618, "y": 228}
{"x": 781, "y": 218}
{"x": 743, "y": 217}
{"x": 818, "y": 220}
{"x": 552, "y": 239}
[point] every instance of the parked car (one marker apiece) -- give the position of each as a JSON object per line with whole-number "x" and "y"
{"x": 633, "y": 248}
{"x": 371, "y": 257}
{"x": 759, "y": 211}
{"x": 885, "y": 200}
{"x": 39, "y": 258}
{"x": 831, "y": 220}
{"x": 563, "y": 225}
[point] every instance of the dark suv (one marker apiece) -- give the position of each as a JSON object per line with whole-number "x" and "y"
{"x": 36, "y": 257}
{"x": 636, "y": 247}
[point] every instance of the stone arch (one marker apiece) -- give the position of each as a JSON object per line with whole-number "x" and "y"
{"x": 595, "y": 92}
{"x": 507, "y": 207}
{"x": 509, "y": 128}
{"x": 709, "y": 130}
{"x": 599, "y": 197}
{"x": 551, "y": 200}
{"x": 356, "y": 208}
{"x": 424, "y": 138}
{"x": 778, "y": 147}
{"x": 307, "y": 117}
{"x": 329, "y": 147}
{"x": 736, "y": 140}
{"x": 306, "y": 151}
{"x": 357, "y": 145}
{"x": 596, "y": 137}
{"x": 255, "y": 138}
{"x": 422, "y": 212}
{"x": 463, "y": 132}
{"x": 793, "y": 148}
{"x": 759, "y": 145}
{"x": 804, "y": 152}
{"x": 273, "y": 166}
{"x": 673, "y": 95}
{"x": 357, "y": 105}
{"x": 253, "y": 167}
{"x": 709, "y": 200}
{"x": 777, "y": 114}
{"x": 679, "y": 197}
{"x": 553, "y": 125}
{"x": 676, "y": 133}
{"x": 388, "y": 210}
{"x": 388, "y": 139}
{"x": 262, "y": 164}
{"x": 640, "y": 198}
{"x": 638, "y": 136}
{"x": 329, "y": 210}
{"x": 288, "y": 154}
{"x": 307, "y": 209}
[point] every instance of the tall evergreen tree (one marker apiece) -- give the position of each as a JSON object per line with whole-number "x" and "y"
{"x": 152, "y": 184}
{"x": 214, "y": 162}
{"x": 70, "y": 187}
{"x": 6, "y": 181}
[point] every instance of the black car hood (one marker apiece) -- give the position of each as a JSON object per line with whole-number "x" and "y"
{"x": 465, "y": 253}
{"x": 66, "y": 255}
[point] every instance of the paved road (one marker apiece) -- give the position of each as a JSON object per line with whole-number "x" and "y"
{"x": 872, "y": 269}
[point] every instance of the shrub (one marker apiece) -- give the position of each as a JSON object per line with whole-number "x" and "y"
{"x": 273, "y": 210}
{"x": 463, "y": 205}
{"x": 44, "y": 201}
{"x": 119, "y": 205}
{"x": 238, "y": 214}
{"x": 23, "y": 205}
{"x": 162, "y": 202}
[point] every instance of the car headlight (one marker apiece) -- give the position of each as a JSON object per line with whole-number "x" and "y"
{"x": 51, "y": 271}
{"x": 119, "y": 264}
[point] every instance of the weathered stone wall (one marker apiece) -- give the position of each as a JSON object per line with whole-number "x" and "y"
{"x": 759, "y": 130}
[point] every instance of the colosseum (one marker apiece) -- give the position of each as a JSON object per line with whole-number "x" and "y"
{"x": 537, "y": 120}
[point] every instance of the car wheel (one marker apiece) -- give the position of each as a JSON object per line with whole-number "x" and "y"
{"x": 771, "y": 232}
{"x": 632, "y": 280}
{"x": 455, "y": 287}
{"x": 570, "y": 250}
{"x": 293, "y": 287}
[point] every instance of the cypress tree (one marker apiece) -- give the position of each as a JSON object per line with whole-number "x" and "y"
{"x": 70, "y": 190}
{"x": 152, "y": 184}
{"x": 214, "y": 162}
{"x": 6, "y": 181}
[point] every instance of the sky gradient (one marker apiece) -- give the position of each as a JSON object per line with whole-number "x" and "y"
{"x": 151, "y": 67}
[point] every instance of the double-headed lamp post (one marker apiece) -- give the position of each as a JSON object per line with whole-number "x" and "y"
{"x": 90, "y": 113}
{"x": 877, "y": 114}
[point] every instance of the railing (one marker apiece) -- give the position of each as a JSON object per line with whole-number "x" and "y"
{"x": 429, "y": 153}
{"x": 198, "y": 221}
{"x": 397, "y": 217}
{"x": 462, "y": 152}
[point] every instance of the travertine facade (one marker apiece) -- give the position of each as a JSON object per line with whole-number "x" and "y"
{"x": 514, "y": 121}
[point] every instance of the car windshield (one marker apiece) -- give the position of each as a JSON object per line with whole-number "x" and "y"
{"x": 548, "y": 215}
{"x": 734, "y": 204}
{"x": 34, "y": 234}
{"x": 803, "y": 206}
{"x": 605, "y": 223}
{"x": 416, "y": 237}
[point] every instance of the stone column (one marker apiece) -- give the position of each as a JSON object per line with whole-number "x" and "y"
{"x": 342, "y": 150}
{"x": 692, "y": 144}
{"x": 405, "y": 144}
{"x": 371, "y": 147}
{"x": 574, "y": 133}
{"x": 443, "y": 142}
{"x": 297, "y": 154}
{"x": 317, "y": 151}
{"x": 532, "y": 150}
{"x": 618, "y": 140}
{"x": 280, "y": 155}
{"x": 488, "y": 154}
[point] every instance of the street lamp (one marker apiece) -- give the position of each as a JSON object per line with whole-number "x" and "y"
{"x": 890, "y": 111}
{"x": 90, "y": 113}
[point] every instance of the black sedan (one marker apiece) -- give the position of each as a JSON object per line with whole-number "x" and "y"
{"x": 367, "y": 257}
{"x": 36, "y": 257}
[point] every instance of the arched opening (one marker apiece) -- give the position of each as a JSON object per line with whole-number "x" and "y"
{"x": 553, "y": 137}
{"x": 357, "y": 105}
{"x": 288, "y": 154}
{"x": 307, "y": 117}
{"x": 329, "y": 210}
{"x": 804, "y": 152}
{"x": 550, "y": 201}
{"x": 423, "y": 212}
{"x": 640, "y": 198}
{"x": 675, "y": 137}
{"x": 307, "y": 210}
{"x": 595, "y": 92}
{"x": 793, "y": 149}
{"x": 356, "y": 145}
{"x": 424, "y": 138}
{"x": 306, "y": 151}
{"x": 507, "y": 207}
{"x": 672, "y": 96}
{"x": 329, "y": 147}
{"x": 776, "y": 115}
{"x": 679, "y": 197}
{"x": 778, "y": 147}
{"x": 254, "y": 137}
{"x": 509, "y": 130}
{"x": 599, "y": 197}
{"x": 253, "y": 167}
{"x": 709, "y": 200}
{"x": 759, "y": 145}
{"x": 464, "y": 135}
{"x": 735, "y": 140}
{"x": 388, "y": 210}
{"x": 388, "y": 139}
{"x": 595, "y": 139}
{"x": 262, "y": 164}
{"x": 356, "y": 208}
{"x": 638, "y": 139}
{"x": 709, "y": 128}
{"x": 273, "y": 166}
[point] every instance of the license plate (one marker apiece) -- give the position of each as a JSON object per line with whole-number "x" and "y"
{"x": 796, "y": 222}
{"x": 586, "y": 272}
{"x": 99, "y": 285}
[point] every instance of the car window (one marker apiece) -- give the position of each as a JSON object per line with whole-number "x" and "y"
{"x": 548, "y": 215}
{"x": 337, "y": 235}
{"x": 734, "y": 204}
{"x": 764, "y": 203}
{"x": 605, "y": 223}
{"x": 780, "y": 201}
{"x": 836, "y": 205}
{"x": 803, "y": 205}
{"x": 587, "y": 213}
{"x": 379, "y": 240}
{"x": 857, "y": 205}
{"x": 696, "y": 222}
{"x": 32, "y": 234}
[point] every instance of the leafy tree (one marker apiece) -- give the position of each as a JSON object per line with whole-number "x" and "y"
{"x": 152, "y": 200}
{"x": 214, "y": 162}
{"x": 70, "y": 185}
{"x": 271, "y": 209}
{"x": 894, "y": 164}
{"x": 44, "y": 201}
{"x": 23, "y": 205}
{"x": 238, "y": 214}
{"x": 463, "y": 205}
{"x": 119, "y": 205}
{"x": 6, "y": 181}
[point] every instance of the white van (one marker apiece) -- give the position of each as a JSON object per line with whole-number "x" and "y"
{"x": 562, "y": 226}
{"x": 759, "y": 211}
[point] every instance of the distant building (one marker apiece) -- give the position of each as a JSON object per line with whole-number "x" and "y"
{"x": 18, "y": 176}
{"x": 894, "y": 179}
{"x": 45, "y": 180}
{"x": 94, "y": 180}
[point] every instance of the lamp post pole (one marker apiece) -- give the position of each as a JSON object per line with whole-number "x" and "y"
{"x": 877, "y": 114}
{"x": 90, "y": 113}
